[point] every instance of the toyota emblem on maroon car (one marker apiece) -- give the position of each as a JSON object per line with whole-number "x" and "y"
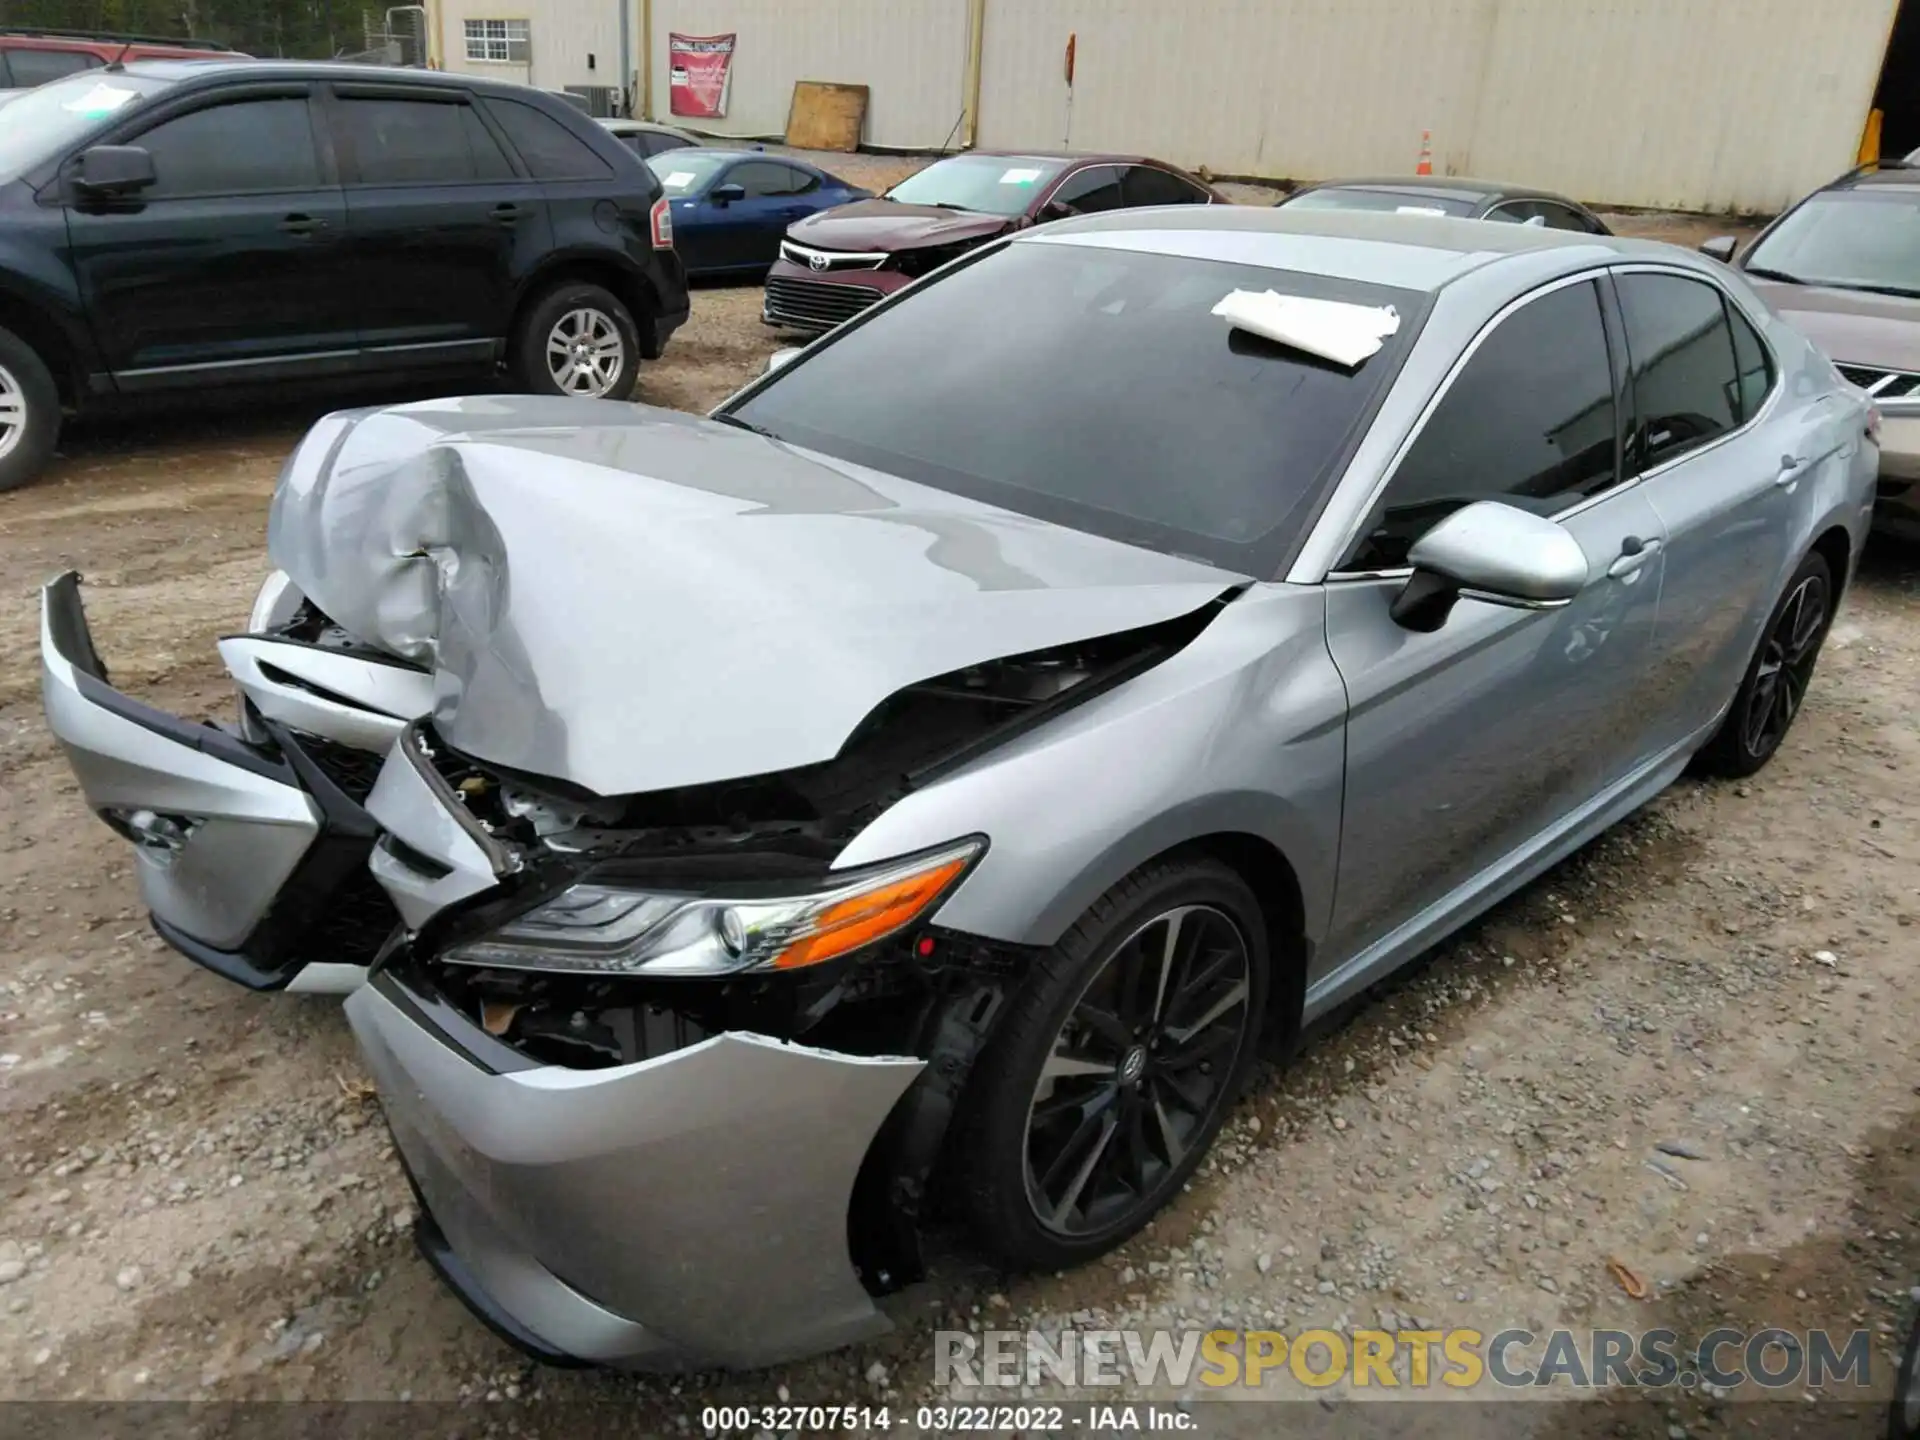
{"x": 818, "y": 262}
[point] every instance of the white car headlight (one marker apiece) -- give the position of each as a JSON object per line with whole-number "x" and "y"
{"x": 616, "y": 930}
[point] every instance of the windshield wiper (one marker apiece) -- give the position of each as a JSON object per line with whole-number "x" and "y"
{"x": 1903, "y": 291}
{"x": 1761, "y": 272}
{"x": 737, "y": 423}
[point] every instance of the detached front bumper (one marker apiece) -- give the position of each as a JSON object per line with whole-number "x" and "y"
{"x": 686, "y": 1211}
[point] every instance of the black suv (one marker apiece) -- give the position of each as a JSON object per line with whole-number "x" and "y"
{"x": 172, "y": 225}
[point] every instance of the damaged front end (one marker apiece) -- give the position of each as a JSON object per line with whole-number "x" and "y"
{"x": 626, "y": 945}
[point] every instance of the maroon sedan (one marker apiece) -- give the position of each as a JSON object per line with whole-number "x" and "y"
{"x": 835, "y": 264}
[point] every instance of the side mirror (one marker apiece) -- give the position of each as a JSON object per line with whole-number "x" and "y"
{"x": 727, "y": 194}
{"x": 1721, "y": 248}
{"x": 781, "y": 357}
{"x": 113, "y": 170}
{"x": 1493, "y": 552}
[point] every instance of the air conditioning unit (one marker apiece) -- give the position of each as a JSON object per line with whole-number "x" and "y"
{"x": 600, "y": 101}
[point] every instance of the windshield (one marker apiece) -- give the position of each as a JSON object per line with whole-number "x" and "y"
{"x": 1343, "y": 198}
{"x": 44, "y": 121}
{"x": 683, "y": 173}
{"x": 991, "y": 184}
{"x": 1092, "y": 387}
{"x": 1866, "y": 239}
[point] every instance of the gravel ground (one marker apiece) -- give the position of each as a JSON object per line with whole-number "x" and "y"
{"x": 197, "y": 1198}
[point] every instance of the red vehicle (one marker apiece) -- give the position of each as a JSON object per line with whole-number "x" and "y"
{"x": 835, "y": 264}
{"x": 33, "y": 57}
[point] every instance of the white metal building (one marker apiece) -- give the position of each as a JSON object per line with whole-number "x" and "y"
{"x": 1696, "y": 104}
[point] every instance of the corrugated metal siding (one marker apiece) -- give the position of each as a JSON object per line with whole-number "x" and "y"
{"x": 912, "y": 55}
{"x": 561, "y": 35}
{"x": 1633, "y": 102}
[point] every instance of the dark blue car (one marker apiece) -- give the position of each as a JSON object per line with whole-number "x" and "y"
{"x": 731, "y": 207}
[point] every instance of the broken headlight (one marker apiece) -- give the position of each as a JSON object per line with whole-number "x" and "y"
{"x": 628, "y": 930}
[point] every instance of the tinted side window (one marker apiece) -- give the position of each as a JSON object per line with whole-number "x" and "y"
{"x": 550, "y": 150}
{"x": 660, "y": 144}
{"x": 1756, "y": 367}
{"x": 1685, "y": 388}
{"x": 1529, "y": 420}
{"x": 36, "y": 67}
{"x": 234, "y": 149}
{"x": 763, "y": 177}
{"x": 1560, "y": 217}
{"x": 410, "y": 142}
{"x": 1145, "y": 185}
{"x": 1091, "y": 190}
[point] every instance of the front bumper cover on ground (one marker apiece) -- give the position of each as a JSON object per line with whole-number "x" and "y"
{"x": 684, "y": 1212}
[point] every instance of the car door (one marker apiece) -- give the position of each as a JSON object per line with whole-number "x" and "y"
{"x": 1468, "y": 745}
{"x": 231, "y": 262}
{"x": 1142, "y": 185}
{"x": 1725, "y": 486}
{"x": 747, "y": 231}
{"x": 440, "y": 222}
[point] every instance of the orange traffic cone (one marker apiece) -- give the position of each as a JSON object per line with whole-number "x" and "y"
{"x": 1425, "y": 166}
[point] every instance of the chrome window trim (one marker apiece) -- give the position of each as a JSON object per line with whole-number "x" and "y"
{"x": 1351, "y": 525}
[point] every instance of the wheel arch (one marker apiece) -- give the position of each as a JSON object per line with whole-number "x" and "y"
{"x": 1835, "y": 546}
{"x": 627, "y": 284}
{"x": 50, "y": 341}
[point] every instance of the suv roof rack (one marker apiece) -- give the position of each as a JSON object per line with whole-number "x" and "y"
{"x": 112, "y": 37}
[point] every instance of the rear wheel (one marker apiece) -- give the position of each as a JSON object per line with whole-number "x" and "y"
{"x": 577, "y": 340}
{"x": 1116, "y": 1065}
{"x": 1775, "y": 685}
{"x": 29, "y": 412}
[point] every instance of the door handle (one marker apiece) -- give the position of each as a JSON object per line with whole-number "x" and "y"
{"x": 1634, "y": 552}
{"x": 1792, "y": 467}
{"x": 297, "y": 224}
{"x": 507, "y": 213}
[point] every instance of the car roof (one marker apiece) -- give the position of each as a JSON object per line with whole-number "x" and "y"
{"x": 1408, "y": 252}
{"x": 1062, "y": 157}
{"x": 230, "y": 70}
{"x": 1887, "y": 175}
{"x": 730, "y": 152}
{"x": 1457, "y": 187}
{"x": 620, "y": 124}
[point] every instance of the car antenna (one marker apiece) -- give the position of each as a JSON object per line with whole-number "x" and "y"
{"x": 117, "y": 63}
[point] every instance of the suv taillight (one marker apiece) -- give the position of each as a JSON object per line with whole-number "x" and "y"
{"x": 661, "y": 217}
{"x": 1873, "y": 423}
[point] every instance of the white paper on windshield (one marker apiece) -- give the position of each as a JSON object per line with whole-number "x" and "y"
{"x": 678, "y": 180}
{"x": 102, "y": 99}
{"x": 1418, "y": 210}
{"x": 1019, "y": 177}
{"x": 1335, "y": 330}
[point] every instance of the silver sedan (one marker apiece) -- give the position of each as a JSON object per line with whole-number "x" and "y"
{"x": 929, "y": 780}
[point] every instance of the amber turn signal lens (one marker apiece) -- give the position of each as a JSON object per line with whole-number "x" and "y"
{"x": 861, "y": 919}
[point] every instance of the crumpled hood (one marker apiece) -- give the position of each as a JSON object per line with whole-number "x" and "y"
{"x": 1853, "y": 327}
{"x": 633, "y": 599}
{"x": 888, "y": 225}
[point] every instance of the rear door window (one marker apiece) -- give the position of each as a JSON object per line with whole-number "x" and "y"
{"x": 395, "y": 140}
{"x": 1686, "y": 386}
{"x": 549, "y": 149}
{"x": 1150, "y": 185}
{"x": 1529, "y": 421}
{"x": 1755, "y": 364}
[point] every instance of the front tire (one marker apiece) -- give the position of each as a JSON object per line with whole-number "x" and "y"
{"x": 577, "y": 340}
{"x": 29, "y": 412}
{"x": 1775, "y": 685}
{"x": 1116, "y": 1065}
